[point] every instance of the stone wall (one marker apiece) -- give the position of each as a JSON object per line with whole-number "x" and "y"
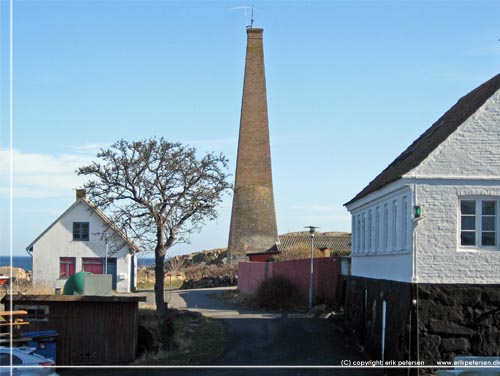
{"x": 458, "y": 320}
{"x": 452, "y": 319}
{"x": 363, "y": 316}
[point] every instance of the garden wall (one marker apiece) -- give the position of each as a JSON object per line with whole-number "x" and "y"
{"x": 425, "y": 322}
{"x": 325, "y": 276}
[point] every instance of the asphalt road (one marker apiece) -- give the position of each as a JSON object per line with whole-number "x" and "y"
{"x": 295, "y": 345}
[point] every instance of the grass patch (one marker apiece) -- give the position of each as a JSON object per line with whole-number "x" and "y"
{"x": 197, "y": 340}
{"x": 237, "y": 298}
{"x": 169, "y": 285}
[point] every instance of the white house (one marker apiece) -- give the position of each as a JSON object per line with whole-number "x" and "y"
{"x": 426, "y": 231}
{"x": 74, "y": 242}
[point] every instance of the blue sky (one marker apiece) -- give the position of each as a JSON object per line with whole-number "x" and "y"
{"x": 350, "y": 85}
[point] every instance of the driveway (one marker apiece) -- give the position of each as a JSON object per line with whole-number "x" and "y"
{"x": 277, "y": 343}
{"x": 205, "y": 302}
{"x": 262, "y": 338}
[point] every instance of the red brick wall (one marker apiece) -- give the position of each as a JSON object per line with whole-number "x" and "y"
{"x": 325, "y": 276}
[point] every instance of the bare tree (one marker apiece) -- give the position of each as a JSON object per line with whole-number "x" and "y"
{"x": 175, "y": 264}
{"x": 157, "y": 193}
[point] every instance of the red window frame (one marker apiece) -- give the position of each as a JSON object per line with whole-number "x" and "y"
{"x": 67, "y": 266}
{"x": 94, "y": 265}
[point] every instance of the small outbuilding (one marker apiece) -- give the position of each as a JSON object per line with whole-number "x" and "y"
{"x": 91, "y": 330}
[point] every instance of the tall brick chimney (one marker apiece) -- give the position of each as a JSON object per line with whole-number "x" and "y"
{"x": 253, "y": 218}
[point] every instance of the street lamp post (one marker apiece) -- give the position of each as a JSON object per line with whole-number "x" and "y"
{"x": 311, "y": 233}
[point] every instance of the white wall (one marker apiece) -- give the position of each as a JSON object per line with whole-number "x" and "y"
{"x": 382, "y": 234}
{"x": 467, "y": 164}
{"x": 391, "y": 267}
{"x": 383, "y": 224}
{"x": 473, "y": 150}
{"x": 440, "y": 258}
{"x": 58, "y": 242}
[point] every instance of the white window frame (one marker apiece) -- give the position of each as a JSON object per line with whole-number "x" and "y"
{"x": 394, "y": 225}
{"x": 404, "y": 222}
{"x": 370, "y": 231}
{"x": 478, "y": 224}
{"x": 363, "y": 232}
{"x": 386, "y": 227}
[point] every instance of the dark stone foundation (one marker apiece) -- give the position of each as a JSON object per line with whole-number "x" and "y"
{"x": 426, "y": 322}
{"x": 458, "y": 320}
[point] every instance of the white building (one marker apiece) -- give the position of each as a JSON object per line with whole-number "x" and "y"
{"x": 74, "y": 242}
{"x": 430, "y": 221}
{"x": 452, "y": 173}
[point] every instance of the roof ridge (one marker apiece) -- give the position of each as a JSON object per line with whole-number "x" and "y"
{"x": 434, "y": 136}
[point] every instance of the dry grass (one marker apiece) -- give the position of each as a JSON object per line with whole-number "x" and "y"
{"x": 197, "y": 339}
{"x": 169, "y": 285}
{"x": 237, "y": 298}
{"x": 146, "y": 280}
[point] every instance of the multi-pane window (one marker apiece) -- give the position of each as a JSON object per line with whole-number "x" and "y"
{"x": 81, "y": 231}
{"x": 488, "y": 223}
{"x": 34, "y": 312}
{"x": 478, "y": 223}
{"x": 66, "y": 267}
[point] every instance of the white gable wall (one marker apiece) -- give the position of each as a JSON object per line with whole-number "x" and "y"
{"x": 382, "y": 234}
{"x": 466, "y": 165}
{"x": 473, "y": 150}
{"x": 58, "y": 242}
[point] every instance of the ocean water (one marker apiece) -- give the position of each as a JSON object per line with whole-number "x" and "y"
{"x": 25, "y": 263}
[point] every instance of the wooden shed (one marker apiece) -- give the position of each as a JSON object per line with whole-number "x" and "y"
{"x": 92, "y": 330}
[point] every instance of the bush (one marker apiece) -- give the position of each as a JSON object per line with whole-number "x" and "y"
{"x": 278, "y": 293}
{"x": 200, "y": 271}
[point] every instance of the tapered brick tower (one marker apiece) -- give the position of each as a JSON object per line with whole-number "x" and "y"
{"x": 253, "y": 219}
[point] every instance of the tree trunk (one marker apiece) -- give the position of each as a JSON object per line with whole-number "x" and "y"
{"x": 161, "y": 305}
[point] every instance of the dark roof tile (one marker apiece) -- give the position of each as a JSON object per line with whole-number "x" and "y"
{"x": 418, "y": 151}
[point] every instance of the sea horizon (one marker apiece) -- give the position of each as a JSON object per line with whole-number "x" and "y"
{"x": 25, "y": 262}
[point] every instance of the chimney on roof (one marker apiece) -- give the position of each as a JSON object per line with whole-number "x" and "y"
{"x": 81, "y": 193}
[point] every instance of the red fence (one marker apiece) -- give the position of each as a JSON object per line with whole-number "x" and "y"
{"x": 325, "y": 276}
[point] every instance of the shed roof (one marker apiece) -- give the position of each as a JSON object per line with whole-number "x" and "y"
{"x": 420, "y": 149}
{"x": 335, "y": 241}
{"x": 75, "y": 298}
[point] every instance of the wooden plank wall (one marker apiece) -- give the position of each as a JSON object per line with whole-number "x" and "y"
{"x": 91, "y": 333}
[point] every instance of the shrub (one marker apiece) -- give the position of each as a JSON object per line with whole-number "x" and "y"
{"x": 200, "y": 271}
{"x": 278, "y": 293}
{"x": 205, "y": 276}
